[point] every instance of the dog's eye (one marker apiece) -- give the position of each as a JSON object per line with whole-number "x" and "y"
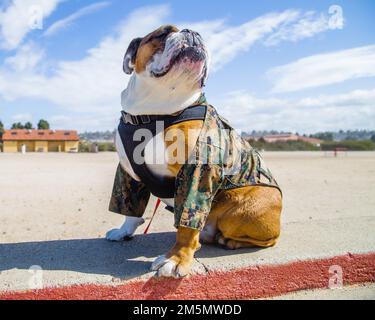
{"x": 158, "y": 37}
{"x": 162, "y": 35}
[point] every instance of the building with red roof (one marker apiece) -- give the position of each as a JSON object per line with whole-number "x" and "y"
{"x": 40, "y": 140}
{"x": 284, "y": 137}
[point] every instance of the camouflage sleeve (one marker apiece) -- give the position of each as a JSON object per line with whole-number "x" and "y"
{"x": 129, "y": 197}
{"x": 196, "y": 187}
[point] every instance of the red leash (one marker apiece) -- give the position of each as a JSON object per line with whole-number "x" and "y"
{"x": 153, "y": 215}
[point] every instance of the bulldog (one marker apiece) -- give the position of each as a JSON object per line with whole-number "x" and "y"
{"x": 174, "y": 145}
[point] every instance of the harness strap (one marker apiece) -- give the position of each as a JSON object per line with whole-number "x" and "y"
{"x": 160, "y": 186}
{"x": 195, "y": 112}
{"x": 187, "y": 114}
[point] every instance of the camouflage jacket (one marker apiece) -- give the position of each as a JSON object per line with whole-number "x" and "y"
{"x": 221, "y": 160}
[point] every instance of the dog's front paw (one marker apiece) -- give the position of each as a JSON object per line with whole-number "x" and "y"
{"x": 126, "y": 231}
{"x": 177, "y": 262}
{"x": 117, "y": 235}
{"x": 172, "y": 267}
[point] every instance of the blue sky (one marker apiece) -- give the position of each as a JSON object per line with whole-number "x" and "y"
{"x": 300, "y": 66}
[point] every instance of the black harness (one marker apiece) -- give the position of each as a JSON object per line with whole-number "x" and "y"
{"x": 161, "y": 187}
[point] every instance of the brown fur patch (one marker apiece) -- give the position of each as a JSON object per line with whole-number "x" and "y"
{"x": 182, "y": 253}
{"x": 248, "y": 216}
{"x": 151, "y": 44}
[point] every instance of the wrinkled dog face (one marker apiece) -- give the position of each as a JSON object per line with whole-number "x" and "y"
{"x": 168, "y": 53}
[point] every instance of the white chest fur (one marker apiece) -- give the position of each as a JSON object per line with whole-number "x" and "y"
{"x": 145, "y": 95}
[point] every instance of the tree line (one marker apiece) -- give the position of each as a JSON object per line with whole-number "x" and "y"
{"x": 42, "y": 125}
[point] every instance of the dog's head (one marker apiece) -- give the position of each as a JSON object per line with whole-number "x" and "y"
{"x": 169, "y": 54}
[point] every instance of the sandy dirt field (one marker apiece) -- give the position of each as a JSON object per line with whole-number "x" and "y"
{"x": 52, "y": 197}
{"x": 62, "y": 196}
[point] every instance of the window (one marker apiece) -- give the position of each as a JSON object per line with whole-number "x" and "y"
{"x": 66, "y": 133}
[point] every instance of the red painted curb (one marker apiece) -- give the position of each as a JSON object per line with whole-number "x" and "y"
{"x": 247, "y": 283}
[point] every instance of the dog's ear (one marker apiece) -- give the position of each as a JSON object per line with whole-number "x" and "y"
{"x": 130, "y": 55}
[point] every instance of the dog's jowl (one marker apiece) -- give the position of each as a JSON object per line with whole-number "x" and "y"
{"x": 173, "y": 144}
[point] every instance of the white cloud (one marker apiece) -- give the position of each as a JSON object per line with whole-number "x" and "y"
{"x": 308, "y": 25}
{"x": 84, "y": 122}
{"x": 88, "y": 90}
{"x": 226, "y": 42}
{"x": 355, "y": 110}
{"x": 26, "y": 58}
{"x": 95, "y": 82}
{"x": 22, "y": 117}
{"x": 66, "y": 22}
{"x": 16, "y": 20}
{"x": 324, "y": 69}
{"x": 92, "y": 84}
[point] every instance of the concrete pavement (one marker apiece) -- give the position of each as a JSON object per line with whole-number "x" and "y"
{"x": 80, "y": 261}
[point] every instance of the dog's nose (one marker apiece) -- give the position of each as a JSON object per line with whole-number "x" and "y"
{"x": 193, "y": 38}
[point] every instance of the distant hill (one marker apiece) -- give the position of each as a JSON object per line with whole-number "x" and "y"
{"x": 352, "y": 135}
{"x": 98, "y": 136}
{"x": 355, "y": 135}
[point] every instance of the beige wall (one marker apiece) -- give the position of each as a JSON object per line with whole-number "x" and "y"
{"x": 71, "y": 146}
{"x": 41, "y": 146}
{"x": 56, "y": 146}
{"x": 10, "y": 146}
{"x": 30, "y": 146}
{"x": 15, "y": 146}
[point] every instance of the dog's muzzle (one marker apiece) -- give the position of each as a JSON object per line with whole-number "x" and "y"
{"x": 185, "y": 45}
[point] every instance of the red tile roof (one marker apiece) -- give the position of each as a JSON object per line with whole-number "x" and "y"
{"x": 281, "y": 135}
{"x": 311, "y": 140}
{"x": 40, "y": 135}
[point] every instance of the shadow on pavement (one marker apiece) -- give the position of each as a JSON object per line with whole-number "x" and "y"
{"x": 98, "y": 256}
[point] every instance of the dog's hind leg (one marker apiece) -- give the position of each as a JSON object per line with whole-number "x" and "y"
{"x": 248, "y": 217}
{"x": 210, "y": 231}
